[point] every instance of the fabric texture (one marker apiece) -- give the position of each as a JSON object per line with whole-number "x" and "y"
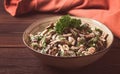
{"x": 105, "y": 11}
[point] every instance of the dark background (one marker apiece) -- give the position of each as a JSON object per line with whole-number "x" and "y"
{"x": 15, "y": 58}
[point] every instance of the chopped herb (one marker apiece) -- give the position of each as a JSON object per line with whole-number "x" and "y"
{"x": 82, "y": 41}
{"x": 75, "y": 23}
{"x": 43, "y": 42}
{"x": 99, "y": 31}
{"x": 93, "y": 41}
{"x": 59, "y": 28}
{"x": 34, "y": 45}
{"x": 66, "y": 22}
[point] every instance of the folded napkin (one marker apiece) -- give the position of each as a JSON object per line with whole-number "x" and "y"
{"x": 105, "y": 11}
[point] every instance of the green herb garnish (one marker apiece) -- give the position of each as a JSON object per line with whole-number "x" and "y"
{"x": 75, "y": 23}
{"x": 93, "y": 41}
{"x": 66, "y": 22}
{"x": 100, "y": 31}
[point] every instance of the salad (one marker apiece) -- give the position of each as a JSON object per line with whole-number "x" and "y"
{"x": 68, "y": 37}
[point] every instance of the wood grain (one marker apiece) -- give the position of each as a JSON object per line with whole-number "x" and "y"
{"x": 20, "y": 60}
{"x": 15, "y": 58}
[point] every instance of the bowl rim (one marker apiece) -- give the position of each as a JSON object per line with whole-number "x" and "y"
{"x": 98, "y": 52}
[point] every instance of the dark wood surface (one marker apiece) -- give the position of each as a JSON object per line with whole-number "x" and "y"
{"x": 15, "y": 58}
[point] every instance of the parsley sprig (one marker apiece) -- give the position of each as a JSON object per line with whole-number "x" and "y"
{"x": 66, "y": 22}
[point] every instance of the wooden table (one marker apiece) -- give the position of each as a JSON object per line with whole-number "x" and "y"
{"x": 15, "y": 58}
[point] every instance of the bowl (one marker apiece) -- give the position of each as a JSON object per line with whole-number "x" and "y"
{"x": 66, "y": 62}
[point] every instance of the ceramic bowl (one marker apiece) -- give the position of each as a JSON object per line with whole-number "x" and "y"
{"x": 66, "y": 62}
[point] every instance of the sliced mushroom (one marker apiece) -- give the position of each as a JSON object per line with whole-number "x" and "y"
{"x": 81, "y": 46}
{"x": 60, "y": 46}
{"x": 53, "y": 51}
{"x": 86, "y": 53}
{"x": 54, "y": 36}
{"x": 78, "y": 39}
{"x": 80, "y": 50}
{"x": 81, "y": 35}
{"x": 61, "y": 50}
{"x": 44, "y": 32}
{"x": 48, "y": 38}
{"x": 51, "y": 32}
{"x": 50, "y": 25}
{"x": 78, "y": 31}
{"x": 55, "y": 41}
{"x": 67, "y": 42}
{"x": 58, "y": 37}
{"x": 71, "y": 40}
{"x": 103, "y": 37}
{"x": 67, "y": 35}
{"x": 70, "y": 53}
{"x": 40, "y": 43}
{"x": 74, "y": 48}
{"x": 90, "y": 35}
{"x": 73, "y": 32}
{"x": 38, "y": 33}
{"x": 91, "y": 50}
{"x": 33, "y": 38}
{"x": 65, "y": 47}
{"x": 48, "y": 48}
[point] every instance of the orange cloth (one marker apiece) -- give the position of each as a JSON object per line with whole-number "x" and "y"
{"x": 105, "y": 11}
